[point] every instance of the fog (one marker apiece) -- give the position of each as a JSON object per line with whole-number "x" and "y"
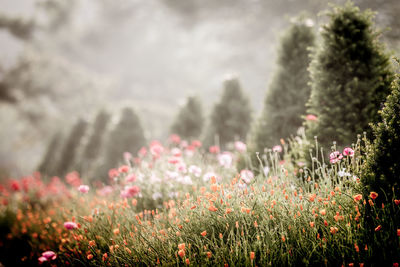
{"x": 83, "y": 55}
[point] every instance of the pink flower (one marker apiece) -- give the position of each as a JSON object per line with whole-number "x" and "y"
{"x": 142, "y": 152}
{"x": 42, "y": 260}
{"x": 174, "y": 160}
{"x": 195, "y": 170}
{"x": 70, "y": 225}
{"x": 112, "y": 173}
{"x": 127, "y": 156}
{"x": 311, "y": 117}
{"x": 73, "y": 179}
{"x": 123, "y": 169}
{"x": 246, "y": 175}
{"x": 225, "y": 159}
{"x": 83, "y": 188}
{"x": 105, "y": 191}
{"x": 176, "y": 152}
{"x": 49, "y": 255}
{"x": 335, "y": 157}
{"x": 156, "y": 148}
{"x": 277, "y": 148}
{"x": 130, "y": 191}
{"x": 214, "y": 149}
{"x": 130, "y": 178}
{"x": 347, "y": 151}
{"x": 240, "y": 146}
{"x": 196, "y": 143}
{"x": 174, "y": 138}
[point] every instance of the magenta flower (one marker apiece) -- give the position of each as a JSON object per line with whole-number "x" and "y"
{"x": 335, "y": 157}
{"x": 83, "y": 189}
{"x": 130, "y": 178}
{"x": 49, "y": 255}
{"x": 42, "y": 260}
{"x": 130, "y": 191}
{"x": 347, "y": 151}
{"x": 70, "y": 225}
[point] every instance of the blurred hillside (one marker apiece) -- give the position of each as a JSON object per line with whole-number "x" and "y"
{"x": 61, "y": 60}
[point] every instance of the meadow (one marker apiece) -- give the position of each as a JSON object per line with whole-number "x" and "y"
{"x": 182, "y": 204}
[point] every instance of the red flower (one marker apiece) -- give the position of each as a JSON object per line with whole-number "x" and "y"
{"x": 373, "y": 195}
{"x": 214, "y": 149}
{"x": 378, "y": 228}
{"x": 357, "y": 197}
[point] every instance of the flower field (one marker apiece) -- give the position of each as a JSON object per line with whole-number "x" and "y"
{"x": 180, "y": 204}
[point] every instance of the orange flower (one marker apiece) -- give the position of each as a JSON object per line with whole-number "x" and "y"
{"x": 228, "y": 210}
{"x": 212, "y": 208}
{"x": 181, "y": 246}
{"x": 334, "y": 230}
{"x": 283, "y": 239}
{"x": 116, "y": 231}
{"x": 312, "y": 224}
{"x": 92, "y": 243}
{"x": 187, "y": 262}
{"x": 181, "y": 253}
{"x": 89, "y": 257}
{"x": 373, "y": 195}
{"x": 357, "y": 197}
{"x": 209, "y": 254}
{"x": 397, "y": 201}
{"x": 220, "y": 235}
{"x": 322, "y": 212}
{"x": 398, "y": 232}
{"x": 378, "y": 228}
{"x": 252, "y": 255}
{"x": 204, "y": 233}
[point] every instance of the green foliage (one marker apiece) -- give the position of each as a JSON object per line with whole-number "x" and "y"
{"x": 285, "y": 101}
{"x": 351, "y": 76}
{"x": 70, "y": 148}
{"x": 127, "y": 136}
{"x": 231, "y": 117}
{"x": 189, "y": 121}
{"x": 382, "y": 168}
{"x": 49, "y": 161}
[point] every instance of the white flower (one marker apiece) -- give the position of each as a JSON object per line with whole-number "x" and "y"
{"x": 195, "y": 170}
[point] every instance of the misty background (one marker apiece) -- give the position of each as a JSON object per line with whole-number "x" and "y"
{"x": 61, "y": 60}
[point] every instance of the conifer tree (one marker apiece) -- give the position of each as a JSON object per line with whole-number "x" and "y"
{"x": 382, "y": 167}
{"x": 189, "y": 122}
{"x": 49, "y": 160}
{"x": 127, "y": 136}
{"x": 285, "y": 101}
{"x": 70, "y": 148}
{"x": 95, "y": 144}
{"x": 231, "y": 117}
{"x": 351, "y": 77}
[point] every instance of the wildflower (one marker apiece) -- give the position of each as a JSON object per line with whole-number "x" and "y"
{"x": 246, "y": 175}
{"x": 174, "y": 138}
{"x": 283, "y": 238}
{"x": 312, "y": 224}
{"x": 181, "y": 246}
{"x": 398, "y": 232}
{"x": 70, "y": 225}
{"x": 195, "y": 170}
{"x": 373, "y": 195}
{"x": 322, "y": 212}
{"x": 83, "y": 188}
{"x": 187, "y": 262}
{"x": 277, "y": 149}
{"x": 196, "y": 143}
{"x": 209, "y": 254}
{"x": 311, "y": 117}
{"x": 116, "y": 231}
{"x": 130, "y": 191}
{"x": 181, "y": 253}
{"x": 49, "y": 255}
{"x": 204, "y": 233}
{"x": 378, "y": 228}
{"x": 214, "y": 149}
{"x": 225, "y": 159}
{"x": 397, "y": 201}
{"x": 130, "y": 178}
{"x": 89, "y": 257}
{"x": 123, "y": 169}
{"x": 240, "y": 146}
{"x": 333, "y": 230}
{"x": 42, "y": 260}
{"x": 112, "y": 173}
{"x": 335, "y": 157}
{"x": 347, "y": 151}
{"x": 92, "y": 243}
{"x": 252, "y": 255}
{"x": 357, "y": 197}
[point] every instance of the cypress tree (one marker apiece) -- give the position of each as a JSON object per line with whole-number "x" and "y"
{"x": 351, "y": 77}
{"x": 95, "y": 144}
{"x": 49, "y": 160}
{"x": 71, "y": 147}
{"x": 189, "y": 122}
{"x": 382, "y": 167}
{"x": 381, "y": 175}
{"x": 127, "y": 136}
{"x": 285, "y": 101}
{"x": 231, "y": 117}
